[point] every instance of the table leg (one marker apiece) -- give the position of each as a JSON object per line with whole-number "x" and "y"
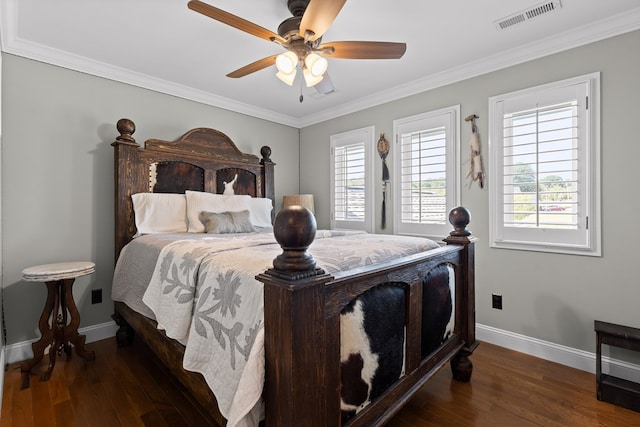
{"x": 46, "y": 331}
{"x": 70, "y": 332}
{"x": 59, "y": 309}
{"x": 56, "y": 320}
{"x": 61, "y": 342}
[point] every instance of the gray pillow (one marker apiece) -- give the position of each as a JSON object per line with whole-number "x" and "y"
{"x": 226, "y": 222}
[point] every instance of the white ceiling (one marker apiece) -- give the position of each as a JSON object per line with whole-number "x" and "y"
{"x": 164, "y": 46}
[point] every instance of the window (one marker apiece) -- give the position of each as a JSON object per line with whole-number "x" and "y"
{"x": 352, "y": 179}
{"x": 425, "y": 173}
{"x": 544, "y": 175}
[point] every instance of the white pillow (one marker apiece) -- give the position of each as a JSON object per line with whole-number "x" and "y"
{"x": 198, "y": 201}
{"x": 260, "y": 212}
{"x": 160, "y": 213}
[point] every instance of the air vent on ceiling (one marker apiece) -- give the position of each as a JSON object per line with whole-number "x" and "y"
{"x": 527, "y": 14}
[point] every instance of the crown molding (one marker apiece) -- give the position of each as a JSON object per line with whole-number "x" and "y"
{"x": 85, "y": 65}
{"x": 593, "y": 32}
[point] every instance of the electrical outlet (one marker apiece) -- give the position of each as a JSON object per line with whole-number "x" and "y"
{"x": 96, "y": 296}
{"x": 496, "y": 301}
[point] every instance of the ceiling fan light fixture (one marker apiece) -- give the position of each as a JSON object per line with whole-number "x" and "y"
{"x": 286, "y": 62}
{"x": 316, "y": 64}
{"x": 287, "y": 78}
{"x": 310, "y": 78}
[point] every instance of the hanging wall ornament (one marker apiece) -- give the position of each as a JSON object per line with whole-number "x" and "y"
{"x": 475, "y": 159}
{"x": 383, "y": 151}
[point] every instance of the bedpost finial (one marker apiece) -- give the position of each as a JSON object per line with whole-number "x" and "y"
{"x": 126, "y": 128}
{"x": 460, "y": 217}
{"x": 265, "y": 151}
{"x": 294, "y": 229}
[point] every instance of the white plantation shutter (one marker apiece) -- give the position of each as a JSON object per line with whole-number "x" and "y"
{"x": 540, "y": 168}
{"x": 352, "y": 180}
{"x": 426, "y": 172}
{"x": 544, "y": 179}
{"x": 423, "y": 177}
{"x": 349, "y": 182}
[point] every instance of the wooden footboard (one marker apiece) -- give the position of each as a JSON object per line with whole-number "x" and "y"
{"x": 302, "y": 325}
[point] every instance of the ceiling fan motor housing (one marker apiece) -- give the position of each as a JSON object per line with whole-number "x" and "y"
{"x": 297, "y": 7}
{"x": 290, "y": 28}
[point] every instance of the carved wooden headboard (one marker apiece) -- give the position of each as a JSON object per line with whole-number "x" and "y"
{"x": 201, "y": 160}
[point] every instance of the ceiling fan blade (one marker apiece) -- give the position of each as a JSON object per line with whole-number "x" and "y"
{"x": 319, "y": 16}
{"x": 253, "y": 67}
{"x": 234, "y": 21}
{"x": 364, "y": 50}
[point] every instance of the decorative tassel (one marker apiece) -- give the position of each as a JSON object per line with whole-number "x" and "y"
{"x": 385, "y": 171}
{"x": 383, "y": 222}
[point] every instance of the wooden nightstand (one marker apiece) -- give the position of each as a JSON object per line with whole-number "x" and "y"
{"x": 612, "y": 389}
{"x": 60, "y": 318}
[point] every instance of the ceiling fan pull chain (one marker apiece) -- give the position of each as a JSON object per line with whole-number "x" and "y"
{"x": 301, "y": 97}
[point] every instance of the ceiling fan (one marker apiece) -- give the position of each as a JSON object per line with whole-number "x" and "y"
{"x": 301, "y": 36}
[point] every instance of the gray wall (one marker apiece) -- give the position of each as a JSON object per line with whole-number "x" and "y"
{"x": 546, "y": 296}
{"x": 57, "y": 195}
{"x": 57, "y": 174}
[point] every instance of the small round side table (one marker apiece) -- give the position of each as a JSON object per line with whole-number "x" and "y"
{"x": 60, "y": 318}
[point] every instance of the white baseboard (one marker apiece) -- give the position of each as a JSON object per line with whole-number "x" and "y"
{"x": 22, "y": 351}
{"x": 568, "y": 356}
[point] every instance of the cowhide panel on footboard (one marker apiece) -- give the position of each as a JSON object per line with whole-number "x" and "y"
{"x": 372, "y": 331}
{"x": 438, "y": 311}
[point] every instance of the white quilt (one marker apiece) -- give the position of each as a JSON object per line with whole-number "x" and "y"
{"x": 204, "y": 293}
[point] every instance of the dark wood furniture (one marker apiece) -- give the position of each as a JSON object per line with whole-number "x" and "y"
{"x": 60, "y": 318}
{"x": 302, "y": 304}
{"x": 609, "y": 388}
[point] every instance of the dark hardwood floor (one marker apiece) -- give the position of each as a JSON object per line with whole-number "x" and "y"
{"x": 127, "y": 387}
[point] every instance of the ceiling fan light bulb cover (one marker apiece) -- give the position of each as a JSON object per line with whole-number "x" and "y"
{"x": 310, "y": 79}
{"x": 316, "y": 64}
{"x": 287, "y": 78}
{"x": 286, "y": 62}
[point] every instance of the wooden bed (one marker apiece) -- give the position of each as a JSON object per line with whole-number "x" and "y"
{"x": 302, "y": 303}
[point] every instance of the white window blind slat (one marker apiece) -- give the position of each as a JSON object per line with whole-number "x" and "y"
{"x": 349, "y": 183}
{"x": 532, "y": 168}
{"x": 423, "y": 172}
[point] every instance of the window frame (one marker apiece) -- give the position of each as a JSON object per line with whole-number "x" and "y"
{"x": 586, "y": 238}
{"x": 364, "y": 136}
{"x": 424, "y": 122}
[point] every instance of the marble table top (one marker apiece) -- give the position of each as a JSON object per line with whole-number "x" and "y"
{"x": 57, "y": 271}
